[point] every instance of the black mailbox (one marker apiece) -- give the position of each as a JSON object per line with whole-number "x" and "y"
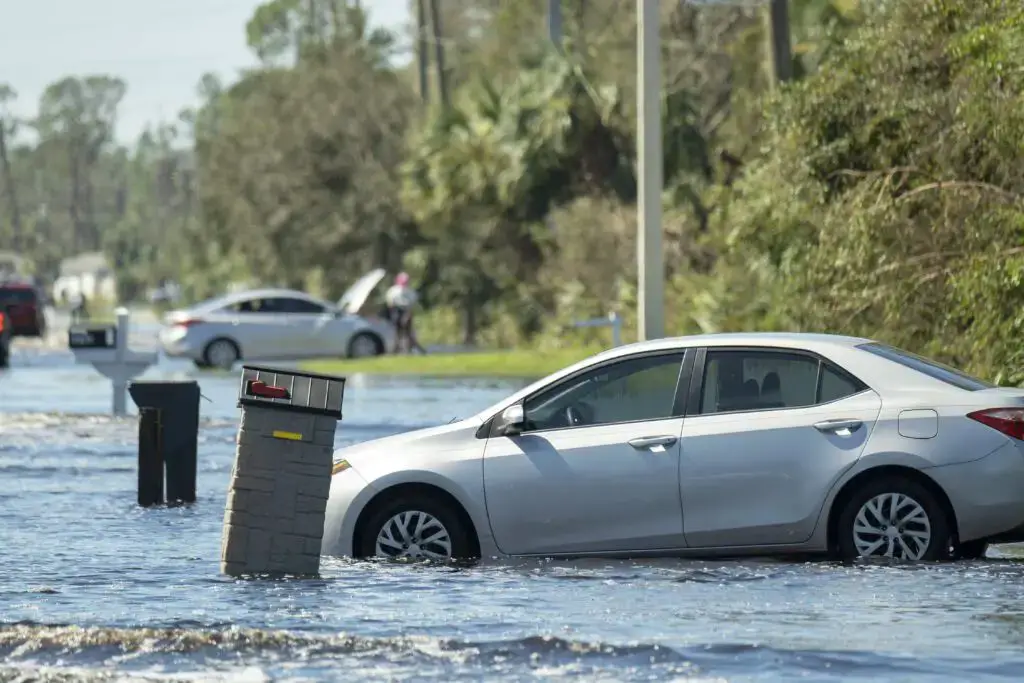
{"x": 95, "y": 337}
{"x": 168, "y": 439}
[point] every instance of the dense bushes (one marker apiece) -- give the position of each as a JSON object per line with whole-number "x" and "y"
{"x": 889, "y": 197}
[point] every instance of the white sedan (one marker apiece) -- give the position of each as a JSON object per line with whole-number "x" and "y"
{"x": 733, "y": 444}
{"x": 274, "y": 324}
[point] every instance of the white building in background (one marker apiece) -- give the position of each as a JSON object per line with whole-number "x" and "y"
{"x": 89, "y": 275}
{"x": 11, "y": 264}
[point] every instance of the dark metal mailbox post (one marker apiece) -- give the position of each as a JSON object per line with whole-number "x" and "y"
{"x": 168, "y": 440}
{"x": 274, "y": 516}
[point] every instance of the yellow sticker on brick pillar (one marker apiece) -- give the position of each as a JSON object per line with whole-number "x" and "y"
{"x": 291, "y": 436}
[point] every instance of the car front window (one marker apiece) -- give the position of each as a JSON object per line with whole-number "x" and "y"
{"x": 636, "y": 389}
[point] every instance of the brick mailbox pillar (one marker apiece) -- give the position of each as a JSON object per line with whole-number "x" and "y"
{"x": 274, "y": 516}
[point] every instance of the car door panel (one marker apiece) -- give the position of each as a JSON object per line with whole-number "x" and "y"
{"x": 608, "y": 483}
{"x": 334, "y": 331}
{"x": 760, "y": 477}
{"x": 584, "y": 490}
{"x": 295, "y": 325}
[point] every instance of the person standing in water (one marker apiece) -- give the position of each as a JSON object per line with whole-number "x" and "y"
{"x": 400, "y": 300}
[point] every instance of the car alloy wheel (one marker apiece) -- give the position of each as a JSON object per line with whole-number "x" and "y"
{"x": 362, "y": 346}
{"x": 892, "y": 525}
{"x": 415, "y": 535}
{"x": 222, "y": 354}
{"x": 416, "y": 527}
{"x": 893, "y": 517}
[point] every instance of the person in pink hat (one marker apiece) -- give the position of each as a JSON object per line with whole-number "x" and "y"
{"x": 400, "y": 300}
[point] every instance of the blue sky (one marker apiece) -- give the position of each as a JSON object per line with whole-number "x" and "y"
{"x": 159, "y": 47}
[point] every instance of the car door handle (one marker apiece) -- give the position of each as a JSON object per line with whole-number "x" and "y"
{"x": 833, "y": 426}
{"x": 651, "y": 441}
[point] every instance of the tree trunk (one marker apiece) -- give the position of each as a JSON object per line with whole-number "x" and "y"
{"x": 780, "y": 49}
{"x": 421, "y": 49}
{"x": 438, "y": 35}
{"x": 469, "y": 320}
{"x": 12, "y": 194}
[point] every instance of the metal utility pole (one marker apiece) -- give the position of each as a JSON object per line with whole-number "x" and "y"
{"x": 555, "y": 22}
{"x": 650, "y": 260}
{"x": 422, "y": 57}
{"x": 780, "y": 49}
{"x": 438, "y": 37}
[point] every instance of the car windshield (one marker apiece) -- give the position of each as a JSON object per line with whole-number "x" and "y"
{"x": 21, "y": 295}
{"x": 934, "y": 369}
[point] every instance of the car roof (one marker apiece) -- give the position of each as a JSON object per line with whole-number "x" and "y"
{"x": 808, "y": 340}
{"x": 263, "y": 293}
{"x": 267, "y": 293}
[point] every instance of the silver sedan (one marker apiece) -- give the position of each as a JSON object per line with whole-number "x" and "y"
{"x": 269, "y": 324}
{"x": 716, "y": 445}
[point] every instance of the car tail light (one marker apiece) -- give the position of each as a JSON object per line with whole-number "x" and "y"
{"x": 187, "y": 322}
{"x": 1009, "y": 421}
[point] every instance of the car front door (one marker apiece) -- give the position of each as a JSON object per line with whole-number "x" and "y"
{"x": 767, "y": 434}
{"x": 597, "y": 463}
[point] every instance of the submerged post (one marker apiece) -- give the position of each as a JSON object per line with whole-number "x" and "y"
{"x": 151, "y": 460}
{"x": 274, "y": 515}
{"x": 168, "y": 440}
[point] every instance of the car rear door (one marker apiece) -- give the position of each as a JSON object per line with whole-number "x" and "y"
{"x": 252, "y": 323}
{"x": 606, "y": 482}
{"x": 298, "y": 327}
{"x": 768, "y": 432}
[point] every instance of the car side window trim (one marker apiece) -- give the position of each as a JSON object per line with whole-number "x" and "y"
{"x": 678, "y": 403}
{"x": 696, "y": 389}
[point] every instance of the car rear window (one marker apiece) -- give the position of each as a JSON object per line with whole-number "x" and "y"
{"x": 21, "y": 295}
{"x": 933, "y": 369}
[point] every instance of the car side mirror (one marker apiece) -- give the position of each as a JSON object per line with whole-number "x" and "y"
{"x": 512, "y": 420}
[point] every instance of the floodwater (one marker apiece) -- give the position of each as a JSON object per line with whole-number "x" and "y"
{"x": 94, "y": 588}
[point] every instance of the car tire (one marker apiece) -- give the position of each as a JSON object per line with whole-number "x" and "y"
{"x": 441, "y": 522}
{"x": 365, "y": 345}
{"x": 866, "y": 529}
{"x": 970, "y": 550}
{"x": 221, "y": 353}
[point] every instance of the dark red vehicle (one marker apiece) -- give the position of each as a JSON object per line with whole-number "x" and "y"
{"x": 5, "y": 342}
{"x": 23, "y": 304}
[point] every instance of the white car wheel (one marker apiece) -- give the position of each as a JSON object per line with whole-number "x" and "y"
{"x": 363, "y": 345}
{"x": 222, "y": 354}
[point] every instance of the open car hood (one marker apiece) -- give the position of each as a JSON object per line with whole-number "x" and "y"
{"x": 355, "y": 296}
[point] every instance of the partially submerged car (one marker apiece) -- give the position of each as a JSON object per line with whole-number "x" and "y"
{"x": 713, "y": 445}
{"x": 274, "y": 324}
